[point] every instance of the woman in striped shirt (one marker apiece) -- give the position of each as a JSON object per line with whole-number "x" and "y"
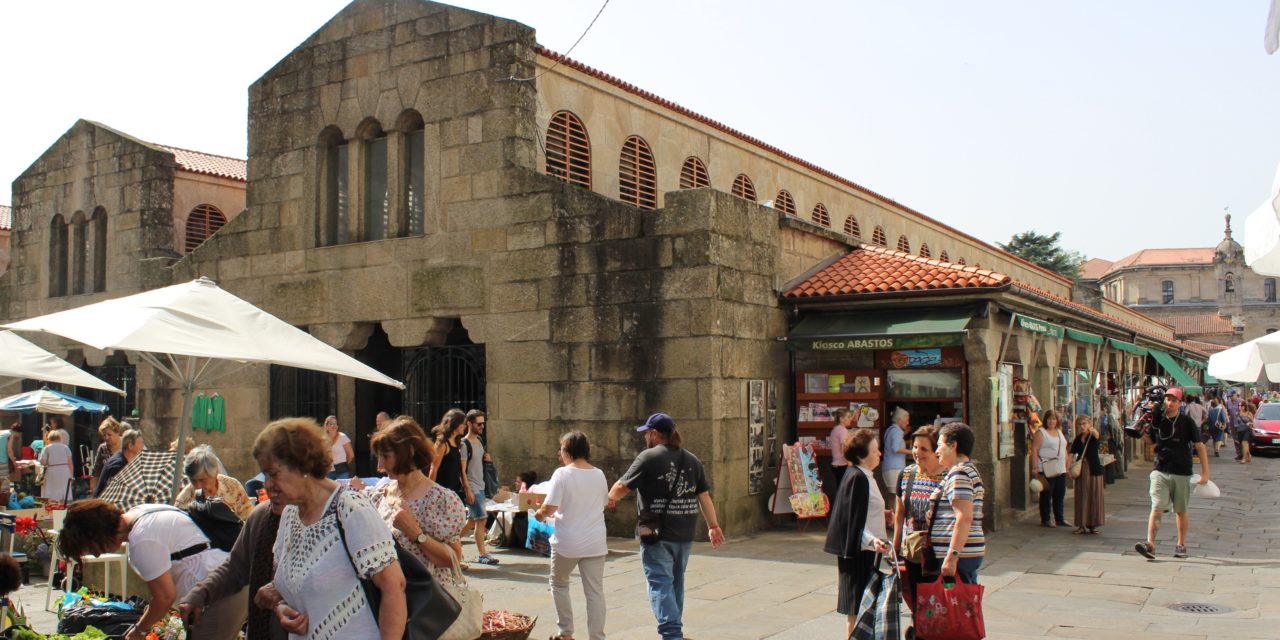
{"x": 956, "y": 532}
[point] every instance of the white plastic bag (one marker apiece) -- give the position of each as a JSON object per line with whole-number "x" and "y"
{"x": 1206, "y": 490}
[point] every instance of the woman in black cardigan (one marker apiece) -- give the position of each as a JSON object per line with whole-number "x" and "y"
{"x": 1091, "y": 508}
{"x": 857, "y": 531}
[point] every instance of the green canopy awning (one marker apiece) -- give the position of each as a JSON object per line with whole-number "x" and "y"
{"x": 1036, "y": 325}
{"x": 1128, "y": 347}
{"x": 1084, "y": 336}
{"x": 1208, "y": 379}
{"x": 1180, "y": 375}
{"x": 905, "y": 329}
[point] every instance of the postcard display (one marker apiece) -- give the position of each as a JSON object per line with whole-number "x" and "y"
{"x": 799, "y": 490}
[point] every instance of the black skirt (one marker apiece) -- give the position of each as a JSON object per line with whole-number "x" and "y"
{"x": 854, "y": 576}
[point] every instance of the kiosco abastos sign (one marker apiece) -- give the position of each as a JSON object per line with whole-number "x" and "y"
{"x": 863, "y": 343}
{"x": 1039, "y": 326}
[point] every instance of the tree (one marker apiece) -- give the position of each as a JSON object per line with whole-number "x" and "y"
{"x": 1044, "y": 250}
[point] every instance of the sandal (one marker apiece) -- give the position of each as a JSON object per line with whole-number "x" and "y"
{"x": 1079, "y": 531}
{"x": 487, "y": 560}
{"x": 1094, "y": 532}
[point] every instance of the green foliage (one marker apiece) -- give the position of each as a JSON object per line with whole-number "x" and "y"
{"x": 1045, "y": 251}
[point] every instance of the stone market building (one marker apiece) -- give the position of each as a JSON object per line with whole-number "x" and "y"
{"x": 505, "y": 228}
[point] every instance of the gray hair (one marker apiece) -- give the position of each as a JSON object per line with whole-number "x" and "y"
{"x": 202, "y": 461}
{"x": 129, "y": 437}
{"x": 899, "y": 412}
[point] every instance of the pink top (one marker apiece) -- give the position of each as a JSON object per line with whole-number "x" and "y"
{"x": 836, "y": 441}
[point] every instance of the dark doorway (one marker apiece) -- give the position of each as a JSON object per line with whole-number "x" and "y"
{"x": 441, "y": 378}
{"x": 302, "y": 393}
{"x": 372, "y": 397}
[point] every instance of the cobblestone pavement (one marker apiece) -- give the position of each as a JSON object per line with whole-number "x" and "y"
{"x": 1040, "y": 582}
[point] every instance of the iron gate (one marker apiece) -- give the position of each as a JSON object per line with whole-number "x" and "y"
{"x": 302, "y": 392}
{"x": 441, "y": 378}
{"x": 124, "y": 377}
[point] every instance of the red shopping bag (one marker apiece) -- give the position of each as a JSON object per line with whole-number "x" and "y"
{"x": 951, "y": 611}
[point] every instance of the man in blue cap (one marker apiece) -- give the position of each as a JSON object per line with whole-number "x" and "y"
{"x": 670, "y": 487}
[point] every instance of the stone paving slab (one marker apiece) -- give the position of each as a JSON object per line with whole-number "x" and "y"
{"x": 1041, "y": 583}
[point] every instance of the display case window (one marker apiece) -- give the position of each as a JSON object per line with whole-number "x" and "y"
{"x": 1084, "y": 393}
{"x": 932, "y": 383}
{"x": 1064, "y": 398}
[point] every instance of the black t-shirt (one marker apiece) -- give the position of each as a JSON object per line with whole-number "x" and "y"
{"x": 449, "y": 473}
{"x": 654, "y": 474}
{"x": 1175, "y": 439}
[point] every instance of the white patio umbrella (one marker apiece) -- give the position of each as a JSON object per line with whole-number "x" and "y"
{"x": 1262, "y": 234}
{"x": 195, "y": 333}
{"x": 1248, "y": 362}
{"x": 20, "y": 358}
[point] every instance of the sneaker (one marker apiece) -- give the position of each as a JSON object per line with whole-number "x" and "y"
{"x": 487, "y": 559}
{"x": 1180, "y": 551}
{"x": 1148, "y": 551}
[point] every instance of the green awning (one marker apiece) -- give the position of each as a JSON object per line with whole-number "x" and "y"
{"x": 1180, "y": 375}
{"x": 1084, "y": 336}
{"x": 1128, "y": 347}
{"x": 1208, "y": 379}
{"x": 1036, "y": 325}
{"x": 905, "y": 329}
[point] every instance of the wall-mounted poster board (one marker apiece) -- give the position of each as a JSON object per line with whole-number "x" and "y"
{"x": 799, "y": 490}
{"x": 757, "y": 415}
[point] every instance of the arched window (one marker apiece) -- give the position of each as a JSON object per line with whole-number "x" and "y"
{"x": 878, "y": 237}
{"x": 1166, "y": 292}
{"x": 1269, "y": 290}
{"x": 960, "y": 261}
{"x": 376, "y": 217}
{"x": 904, "y": 245}
{"x": 98, "y": 242}
{"x": 1271, "y": 330}
{"x": 851, "y": 227}
{"x": 943, "y": 256}
{"x": 820, "y": 215}
{"x": 203, "y": 221}
{"x": 638, "y": 174}
{"x": 79, "y": 249}
{"x": 924, "y": 250}
{"x": 744, "y": 188}
{"x": 413, "y": 160}
{"x": 693, "y": 174}
{"x": 335, "y": 226}
{"x": 568, "y": 149}
{"x": 785, "y": 203}
{"x": 1229, "y": 284}
{"x": 57, "y": 256}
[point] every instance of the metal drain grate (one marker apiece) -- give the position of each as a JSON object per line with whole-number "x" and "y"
{"x": 1200, "y": 608}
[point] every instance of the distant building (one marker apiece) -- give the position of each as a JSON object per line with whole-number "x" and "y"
{"x": 6, "y": 225}
{"x": 1210, "y": 297}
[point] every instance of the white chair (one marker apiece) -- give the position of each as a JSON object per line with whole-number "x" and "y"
{"x": 119, "y": 558}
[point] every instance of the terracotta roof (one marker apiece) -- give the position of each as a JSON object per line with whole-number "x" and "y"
{"x": 208, "y": 164}
{"x": 1094, "y": 268}
{"x": 868, "y": 270}
{"x": 1200, "y": 325}
{"x": 1206, "y": 347}
{"x": 663, "y": 102}
{"x": 1164, "y": 257}
{"x": 6, "y": 216}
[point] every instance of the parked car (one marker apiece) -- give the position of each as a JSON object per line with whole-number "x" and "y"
{"x": 1266, "y": 428}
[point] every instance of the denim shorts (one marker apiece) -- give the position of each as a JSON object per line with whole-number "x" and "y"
{"x": 475, "y": 510}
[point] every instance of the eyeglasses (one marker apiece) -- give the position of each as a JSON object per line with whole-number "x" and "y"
{"x": 479, "y": 423}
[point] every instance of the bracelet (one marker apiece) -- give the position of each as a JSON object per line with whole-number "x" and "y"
{"x": 952, "y": 552}
{"x": 713, "y": 527}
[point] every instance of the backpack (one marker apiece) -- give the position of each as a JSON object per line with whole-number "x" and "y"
{"x": 215, "y": 520}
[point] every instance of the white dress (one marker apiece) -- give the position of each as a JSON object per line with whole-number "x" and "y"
{"x": 56, "y": 459}
{"x": 313, "y": 571}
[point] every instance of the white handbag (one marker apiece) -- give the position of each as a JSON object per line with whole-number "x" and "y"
{"x": 470, "y": 622}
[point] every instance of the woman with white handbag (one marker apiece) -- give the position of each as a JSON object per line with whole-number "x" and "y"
{"x": 1090, "y": 484}
{"x": 1049, "y": 464}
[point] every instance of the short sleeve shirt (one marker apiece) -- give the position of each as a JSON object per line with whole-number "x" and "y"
{"x": 473, "y": 463}
{"x": 339, "y": 448}
{"x": 1175, "y": 438}
{"x": 893, "y": 440}
{"x": 962, "y": 482}
{"x": 158, "y": 532}
{"x": 668, "y": 481}
{"x": 580, "y": 496}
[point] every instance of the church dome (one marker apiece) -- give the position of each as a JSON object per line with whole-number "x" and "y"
{"x": 1228, "y": 250}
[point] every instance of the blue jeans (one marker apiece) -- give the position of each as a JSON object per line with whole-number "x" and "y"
{"x": 967, "y": 569}
{"x": 664, "y": 564}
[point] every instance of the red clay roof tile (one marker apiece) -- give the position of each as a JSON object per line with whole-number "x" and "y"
{"x": 870, "y": 269}
{"x": 1199, "y": 325}
{"x": 208, "y": 164}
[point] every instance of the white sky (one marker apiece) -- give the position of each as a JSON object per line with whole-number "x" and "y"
{"x": 1124, "y": 125}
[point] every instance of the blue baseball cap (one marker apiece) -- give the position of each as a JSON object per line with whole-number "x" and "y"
{"x": 660, "y": 422}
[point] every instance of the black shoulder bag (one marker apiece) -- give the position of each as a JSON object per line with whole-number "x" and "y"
{"x": 649, "y": 523}
{"x": 431, "y": 610}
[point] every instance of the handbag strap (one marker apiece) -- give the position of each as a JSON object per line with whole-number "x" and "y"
{"x": 456, "y": 569}
{"x": 342, "y": 535}
{"x": 911, "y": 485}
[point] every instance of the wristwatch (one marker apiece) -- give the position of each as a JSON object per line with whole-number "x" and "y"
{"x": 422, "y": 537}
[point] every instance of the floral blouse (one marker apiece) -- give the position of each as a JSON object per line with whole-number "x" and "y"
{"x": 440, "y": 513}
{"x": 229, "y": 489}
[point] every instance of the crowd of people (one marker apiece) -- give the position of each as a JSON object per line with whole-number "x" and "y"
{"x": 317, "y": 546}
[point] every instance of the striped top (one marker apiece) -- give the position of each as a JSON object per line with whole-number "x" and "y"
{"x": 920, "y": 502}
{"x": 961, "y": 483}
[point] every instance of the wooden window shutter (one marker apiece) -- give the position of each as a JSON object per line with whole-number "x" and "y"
{"x": 744, "y": 188}
{"x": 638, "y": 174}
{"x": 568, "y": 150}
{"x": 785, "y": 203}
{"x": 202, "y": 222}
{"x": 820, "y": 215}
{"x": 851, "y": 227}
{"x": 904, "y": 245}
{"x": 693, "y": 174}
{"x": 879, "y": 237}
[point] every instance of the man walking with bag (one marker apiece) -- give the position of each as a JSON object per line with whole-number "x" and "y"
{"x": 670, "y": 487}
{"x": 1175, "y": 436}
